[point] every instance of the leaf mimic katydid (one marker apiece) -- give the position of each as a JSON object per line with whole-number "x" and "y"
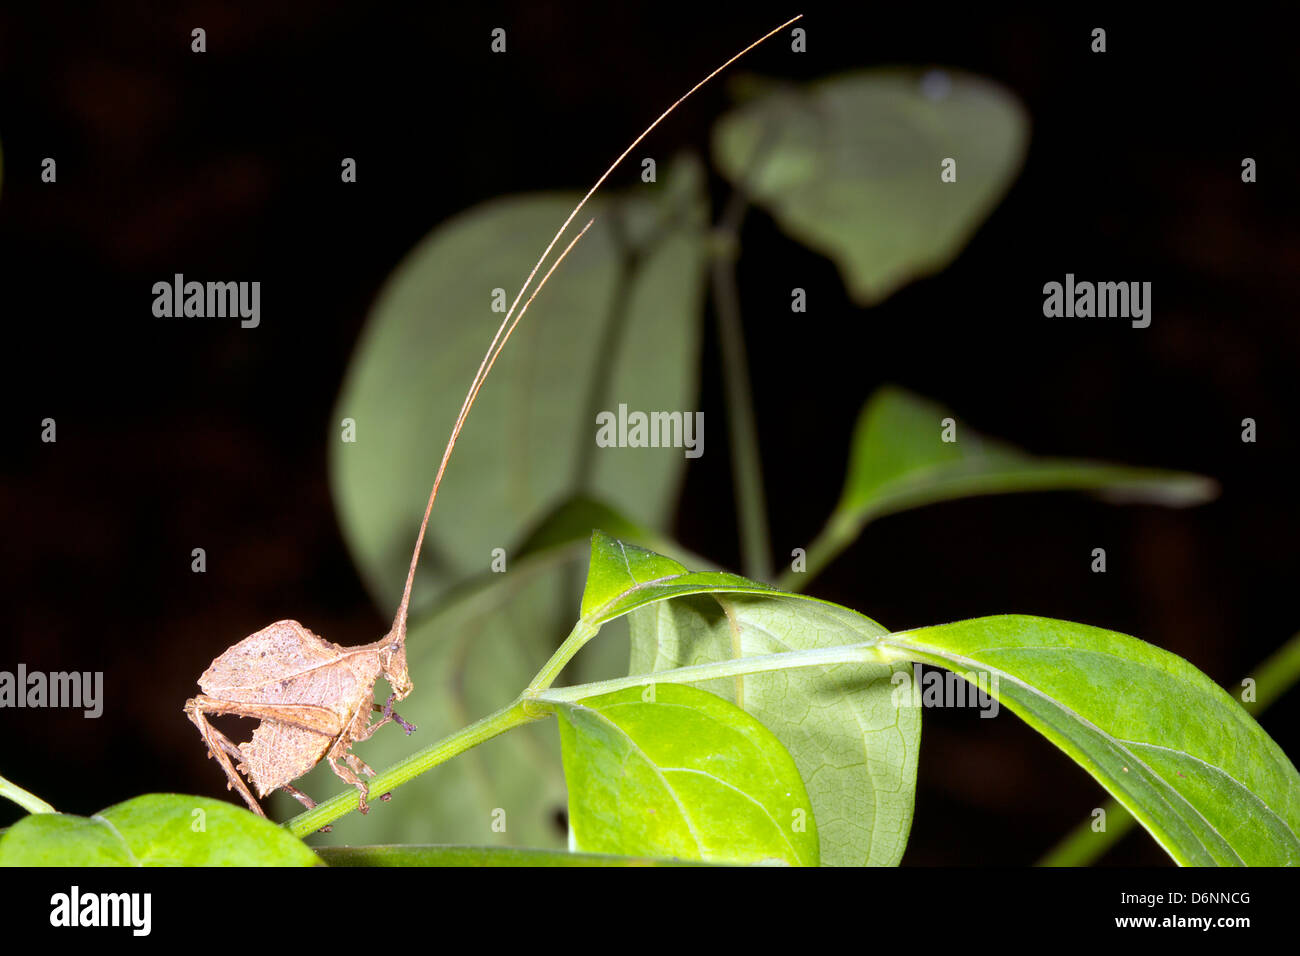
{"x": 314, "y": 699}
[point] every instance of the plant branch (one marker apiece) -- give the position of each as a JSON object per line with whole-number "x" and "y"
{"x": 519, "y": 711}
{"x": 582, "y": 632}
{"x": 751, "y": 504}
{"x": 28, "y": 801}
{"x": 866, "y": 652}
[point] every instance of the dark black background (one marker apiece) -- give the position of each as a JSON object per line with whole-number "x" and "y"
{"x": 226, "y": 164}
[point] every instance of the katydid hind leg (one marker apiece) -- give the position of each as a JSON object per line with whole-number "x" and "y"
{"x": 220, "y": 748}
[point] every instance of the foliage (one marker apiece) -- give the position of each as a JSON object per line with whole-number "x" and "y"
{"x": 728, "y": 720}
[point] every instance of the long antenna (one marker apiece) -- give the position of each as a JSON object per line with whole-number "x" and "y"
{"x": 508, "y": 326}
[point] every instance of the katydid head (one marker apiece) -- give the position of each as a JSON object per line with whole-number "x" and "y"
{"x": 392, "y": 661}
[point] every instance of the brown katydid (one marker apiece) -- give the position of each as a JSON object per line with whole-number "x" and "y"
{"x": 314, "y": 699}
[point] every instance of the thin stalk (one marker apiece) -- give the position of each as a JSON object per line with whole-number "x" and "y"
{"x": 517, "y": 712}
{"x": 868, "y": 651}
{"x": 751, "y": 503}
{"x": 1082, "y": 846}
{"x": 578, "y": 637}
{"x": 28, "y": 801}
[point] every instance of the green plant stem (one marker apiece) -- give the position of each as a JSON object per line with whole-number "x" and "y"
{"x": 1082, "y": 845}
{"x": 28, "y": 801}
{"x": 868, "y": 651}
{"x": 519, "y": 711}
{"x": 453, "y": 855}
{"x": 578, "y": 637}
{"x": 751, "y": 503}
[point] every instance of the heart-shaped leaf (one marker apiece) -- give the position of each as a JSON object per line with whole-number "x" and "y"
{"x": 672, "y": 771}
{"x": 159, "y": 829}
{"x": 851, "y": 166}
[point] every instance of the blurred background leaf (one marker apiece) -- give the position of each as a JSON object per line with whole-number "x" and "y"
{"x": 850, "y": 166}
{"x": 899, "y": 460}
{"x": 619, "y": 323}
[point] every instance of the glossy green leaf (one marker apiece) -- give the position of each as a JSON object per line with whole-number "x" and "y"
{"x": 154, "y": 830}
{"x": 855, "y": 747}
{"x": 404, "y": 855}
{"x": 850, "y": 166}
{"x": 674, "y": 771}
{"x": 594, "y": 338}
{"x": 899, "y": 460}
{"x": 1083, "y": 845}
{"x": 623, "y": 576}
{"x": 1181, "y": 754}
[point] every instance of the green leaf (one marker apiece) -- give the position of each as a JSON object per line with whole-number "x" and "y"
{"x": 850, "y": 166}
{"x": 403, "y": 855}
{"x": 154, "y": 830}
{"x": 622, "y": 577}
{"x": 899, "y": 460}
{"x": 1083, "y": 845}
{"x": 855, "y": 747}
{"x": 679, "y": 772}
{"x": 1181, "y": 754}
{"x": 594, "y": 338}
